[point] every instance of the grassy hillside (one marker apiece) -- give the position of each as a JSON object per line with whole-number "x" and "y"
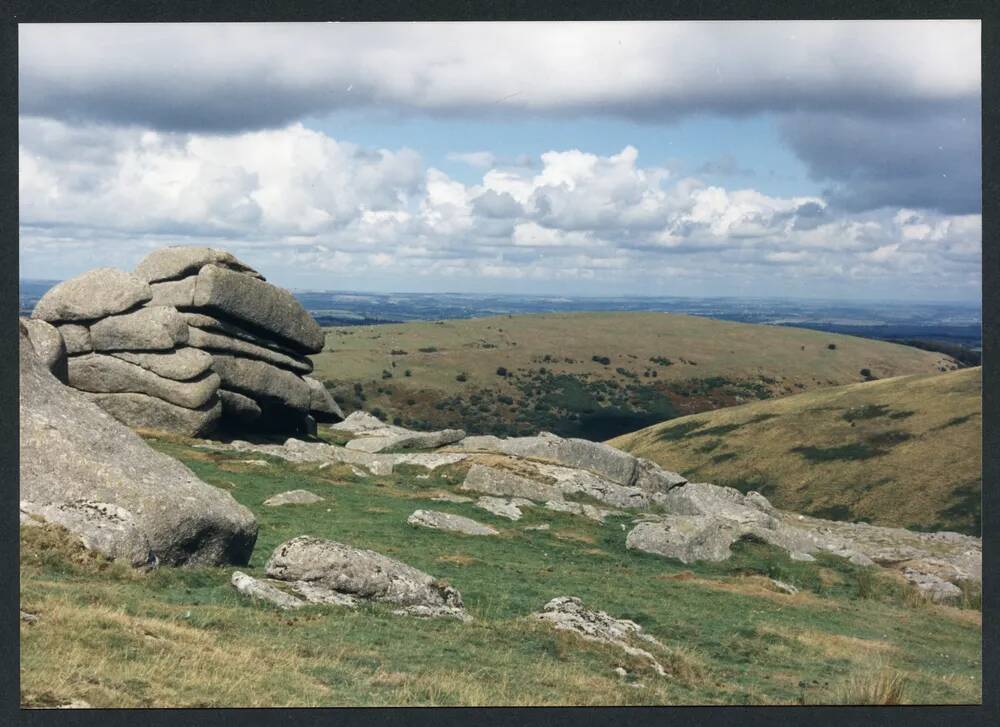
{"x": 594, "y": 375}
{"x": 902, "y": 451}
{"x": 115, "y": 637}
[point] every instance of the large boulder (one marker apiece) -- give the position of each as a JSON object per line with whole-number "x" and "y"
{"x": 100, "y": 374}
{"x": 94, "y": 294}
{"x": 343, "y": 569}
{"x": 81, "y": 461}
{"x": 260, "y": 304}
{"x": 49, "y": 346}
{"x": 171, "y": 263}
{"x": 158, "y": 328}
{"x": 687, "y": 538}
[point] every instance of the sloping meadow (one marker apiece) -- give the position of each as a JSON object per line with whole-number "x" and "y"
{"x": 184, "y": 637}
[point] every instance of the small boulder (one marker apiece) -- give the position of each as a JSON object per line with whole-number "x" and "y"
{"x": 262, "y": 591}
{"x": 452, "y": 523}
{"x": 688, "y": 538}
{"x": 94, "y": 294}
{"x": 501, "y": 507}
{"x": 341, "y": 569}
{"x": 292, "y": 497}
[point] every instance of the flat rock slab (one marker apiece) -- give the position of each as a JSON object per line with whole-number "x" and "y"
{"x": 94, "y": 294}
{"x": 180, "y": 364}
{"x": 100, "y": 374}
{"x": 337, "y": 568}
{"x": 73, "y": 452}
{"x": 452, "y": 523}
{"x": 260, "y": 304}
{"x": 504, "y": 483}
{"x": 567, "y": 613}
{"x": 168, "y": 263}
{"x": 293, "y": 497}
{"x": 158, "y": 328}
{"x": 688, "y": 538}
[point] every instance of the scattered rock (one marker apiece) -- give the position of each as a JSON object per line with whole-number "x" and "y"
{"x": 935, "y": 589}
{"x": 782, "y": 587}
{"x": 293, "y": 497}
{"x": 341, "y": 569}
{"x": 452, "y": 523}
{"x": 448, "y": 497}
{"x": 580, "y": 508}
{"x": 543, "y": 526}
{"x": 95, "y": 294}
{"x": 81, "y": 466}
{"x": 567, "y": 613}
{"x": 29, "y": 618}
{"x": 261, "y": 591}
{"x": 503, "y": 508}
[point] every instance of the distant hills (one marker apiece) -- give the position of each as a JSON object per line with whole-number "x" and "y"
{"x": 903, "y": 451}
{"x": 593, "y": 375}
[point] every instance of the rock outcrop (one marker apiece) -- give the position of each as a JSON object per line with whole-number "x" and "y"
{"x": 83, "y": 470}
{"x": 193, "y": 340}
{"x": 317, "y": 566}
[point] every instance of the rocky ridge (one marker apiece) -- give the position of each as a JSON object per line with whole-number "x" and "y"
{"x": 192, "y": 340}
{"x": 671, "y": 517}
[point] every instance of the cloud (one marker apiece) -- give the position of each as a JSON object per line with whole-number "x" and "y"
{"x": 319, "y": 212}
{"x": 235, "y": 77}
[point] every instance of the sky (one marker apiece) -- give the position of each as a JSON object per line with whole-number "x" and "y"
{"x": 831, "y": 159}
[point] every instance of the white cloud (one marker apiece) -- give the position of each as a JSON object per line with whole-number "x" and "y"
{"x": 316, "y": 211}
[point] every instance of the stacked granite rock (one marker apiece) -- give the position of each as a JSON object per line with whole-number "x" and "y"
{"x": 192, "y": 341}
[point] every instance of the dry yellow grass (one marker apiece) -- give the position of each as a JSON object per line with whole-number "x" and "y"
{"x": 927, "y": 475}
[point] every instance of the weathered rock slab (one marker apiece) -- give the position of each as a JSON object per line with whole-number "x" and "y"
{"x": 688, "y": 538}
{"x": 181, "y": 364}
{"x": 218, "y": 342}
{"x": 168, "y": 263}
{"x": 102, "y": 527}
{"x": 147, "y": 412}
{"x": 100, "y": 374}
{"x": 262, "y": 381}
{"x": 239, "y": 408}
{"x": 453, "y": 523}
{"x": 265, "y": 306}
{"x": 157, "y": 328}
{"x": 75, "y": 337}
{"x": 410, "y": 440}
{"x": 261, "y": 591}
{"x": 94, "y": 294}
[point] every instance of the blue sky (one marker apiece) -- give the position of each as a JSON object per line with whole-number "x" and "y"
{"x": 823, "y": 158}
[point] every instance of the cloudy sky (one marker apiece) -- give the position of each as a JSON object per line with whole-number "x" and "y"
{"x": 812, "y": 159}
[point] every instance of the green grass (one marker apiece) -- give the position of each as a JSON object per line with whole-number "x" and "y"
{"x": 183, "y": 637}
